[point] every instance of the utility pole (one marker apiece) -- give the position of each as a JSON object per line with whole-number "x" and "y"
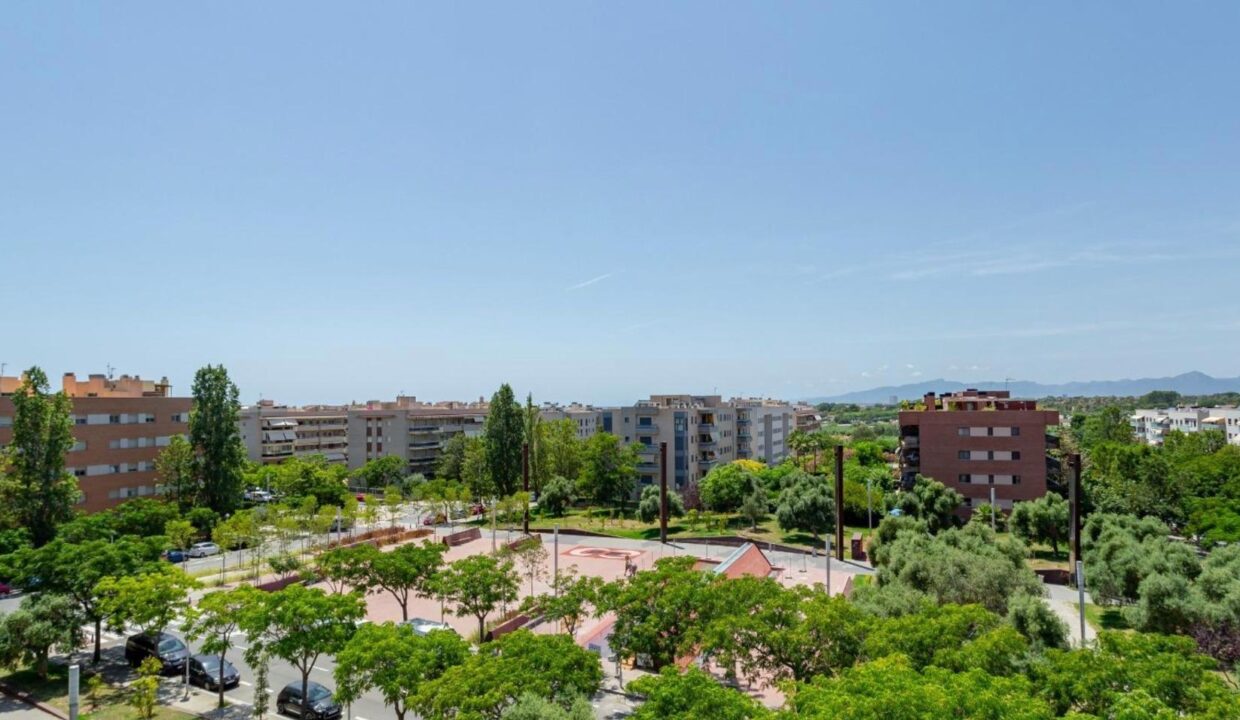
{"x": 1074, "y": 506}
{"x": 525, "y": 485}
{"x": 839, "y": 503}
{"x": 663, "y": 492}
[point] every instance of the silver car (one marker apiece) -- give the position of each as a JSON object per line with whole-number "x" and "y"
{"x": 203, "y": 549}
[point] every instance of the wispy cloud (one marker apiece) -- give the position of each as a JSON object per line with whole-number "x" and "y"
{"x": 589, "y": 282}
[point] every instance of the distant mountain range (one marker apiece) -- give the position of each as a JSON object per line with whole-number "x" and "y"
{"x": 1190, "y": 383}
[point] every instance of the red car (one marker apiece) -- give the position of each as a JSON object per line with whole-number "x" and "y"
{"x": 437, "y": 519}
{"x": 361, "y": 497}
{"x": 5, "y": 589}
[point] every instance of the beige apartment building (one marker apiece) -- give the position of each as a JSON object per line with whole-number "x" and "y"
{"x": 409, "y": 429}
{"x": 587, "y": 418}
{"x": 700, "y": 432}
{"x": 274, "y": 433}
{"x": 119, "y": 427}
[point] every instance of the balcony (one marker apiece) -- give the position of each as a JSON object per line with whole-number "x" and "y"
{"x": 910, "y": 441}
{"x": 743, "y": 421}
{"x": 647, "y": 450}
{"x": 647, "y": 467}
{"x": 1052, "y": 441}
{"x": 423, "y": 444}
{"x": 423, "y": 429}
{"x": 647, "y": 428}
{"x": 743, "y": 434}
{"x": 706, "y": 427}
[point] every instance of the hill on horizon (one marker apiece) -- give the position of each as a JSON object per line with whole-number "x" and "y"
{"x": 1189, "y": 383}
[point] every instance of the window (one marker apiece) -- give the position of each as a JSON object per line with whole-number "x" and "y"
{"x": 963, "y": 432}
{"x": 1015, "y": 479}
{"x": 964, "y": 478}
{"x": 963, "y": 455}
{"x": 114, "y": 419}
{"x": 1015, "y": 431}
{"x": 1015, "y": 454}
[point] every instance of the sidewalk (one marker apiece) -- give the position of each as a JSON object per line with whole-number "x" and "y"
{"x": 1063, "y": 600}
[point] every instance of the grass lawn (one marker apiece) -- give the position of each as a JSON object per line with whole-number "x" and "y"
{"x": 1103, "y": 618}
{"x": 110, "y": 702}
{"x": 601, "y": 521}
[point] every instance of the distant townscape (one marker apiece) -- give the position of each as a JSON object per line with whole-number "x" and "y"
{"x": 681, "y": 557}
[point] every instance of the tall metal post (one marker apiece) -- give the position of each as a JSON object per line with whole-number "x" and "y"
{"x": 74, "y": 701}
{"x": 839, "y": 502}
{"x": 525, "y": 485}
{"x": 994, "y": 511}
{"x": 1080, "y": 595}
{"x": 869, "y": 506}
{"x": 663, "y": 492}
{"x": 828, "y": 560}
{"x": 555, "y": 561}
{"x": 1074, "y": 507}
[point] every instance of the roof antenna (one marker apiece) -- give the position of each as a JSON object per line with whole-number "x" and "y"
{"x": 110, "y": 370}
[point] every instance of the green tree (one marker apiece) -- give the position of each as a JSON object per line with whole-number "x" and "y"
{"x": 298, "y": 478}
{"x": 214, "y": 434}
{"x": 216, "y": 618}
{"x": 806, "y": 504}
{"x": 450, "y": 465}
{"x": 298, "y": 624}
{"x": 573, "y": 598}
{"x": 691, "y": 695}
{"x": 180, "y": 533}
{"x": 35, "y": 488}
{"x": 726, "y": 486}
{"x": 557, "y": 495}
{"x": 404, "y": 573}
{"x": 478, "y": 585}
{"x": 1034, "y": 619}
{"x": 395, "y": 661}
{"x": 43, "y": 622}
{"x": 144, "y": 692}
{"x": 969, "y": 565}
{"x": 755, "y": 507}
{"x": 648, "y": 505}
{"x": 76, "y": 569}
{"x": 609, "y": 470}
{"x": 381, "y": 472}
{"x": 475, "y": 472}
{"x": 532, "y": 432}
{"x": 150, "y": 601}
{"x": 174, "y": 467}
{"x": 532, "y": 707}
{"x": 660, "y": 612}
{"x": 560, "y": 450}
{"x": 1044, "y": 520}
{"x": 932, "y": 502}
{"x": 550, "y": 667}
{"x": 1108, "y": 425}
{"x": 502, "y": 436}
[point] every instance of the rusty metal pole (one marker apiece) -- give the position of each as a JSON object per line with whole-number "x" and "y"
{"x": 663, "y": 492}
{"x": 1074, "y": 507}
{"x": 839, "y": 502}
{"x": 525, "y": 484}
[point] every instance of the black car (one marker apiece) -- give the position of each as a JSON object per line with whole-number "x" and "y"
{"x": 170, "y": 651}
{"x": 320, "y": 705}
{"x": 204, "y": 671}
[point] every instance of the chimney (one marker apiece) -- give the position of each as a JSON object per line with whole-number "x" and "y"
{"x": 929, "y": 401}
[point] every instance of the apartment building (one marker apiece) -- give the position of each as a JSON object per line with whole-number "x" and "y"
{"x": 120, "y": 427}
{"x": 808, "y": 419}
{"x": 1152, "y": 426}
{"x": 762, "y": 429}
{"x": 700, "y": 432}
{"x": 274, "y": 433}
{"x": 974, "y": 440}
{"x": 587, "y": 418}
{"x": 409, "y": 429}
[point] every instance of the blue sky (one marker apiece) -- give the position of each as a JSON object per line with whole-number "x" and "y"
{"x": 596, "y": 201}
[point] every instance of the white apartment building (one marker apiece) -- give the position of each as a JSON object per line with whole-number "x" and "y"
{"x": 273, "y": 433}
{"x": 762, "y": 428}
{"x": 1151, "y": 426}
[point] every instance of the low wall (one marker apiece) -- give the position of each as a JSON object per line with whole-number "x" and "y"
{"x": 461, "y": 537}
{"x": 512, "y": 624}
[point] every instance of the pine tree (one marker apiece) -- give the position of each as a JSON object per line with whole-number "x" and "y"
{"x": 216, "y": 439}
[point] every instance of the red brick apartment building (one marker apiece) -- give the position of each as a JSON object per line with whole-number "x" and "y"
{"x": 120, "y": 427}
{"x": 977, "y": 439}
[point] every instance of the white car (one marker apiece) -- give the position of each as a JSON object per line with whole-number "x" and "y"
{"x": 203, "y": 549}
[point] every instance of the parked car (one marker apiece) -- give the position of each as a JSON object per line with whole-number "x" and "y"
{"x": 361, "y": 497}
{"x": 175, "y": 556}
{"x": 258, "y": 496}
{"x": 5, "y": 589}
{"x": 203, "y": 549}
{"x": 478, "y": 509}
{"x": 422, "y": 626}
{"x": 318, "y": 704}
{"x": 204, "y": 671}
{"x": 169, "y": 650}
{"x": 436, "y": 519}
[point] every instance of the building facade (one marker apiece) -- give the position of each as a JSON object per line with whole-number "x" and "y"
{"x": 808, "y": 419}
{"x": 414, "y": 431}
{"x": 974, "y": 440}
{"x": 273, "y": 433}
{"x": 587, "y": 418}
{"x": 762, "y": 429}
{"x": 119, "y": 427}
{"x": 1152, "y": 426}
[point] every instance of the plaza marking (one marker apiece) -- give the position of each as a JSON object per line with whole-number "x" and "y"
{"x": 602, "y": 553}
